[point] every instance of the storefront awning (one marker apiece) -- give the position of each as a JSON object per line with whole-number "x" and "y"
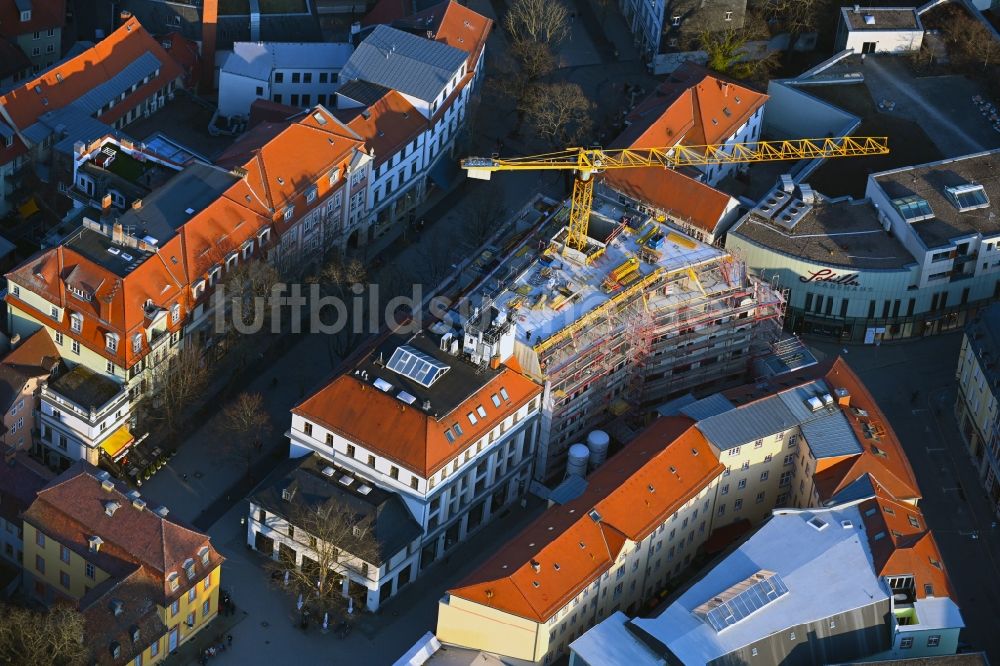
{"x": 116, "y": 445}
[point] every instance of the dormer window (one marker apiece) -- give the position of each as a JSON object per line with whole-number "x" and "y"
{"x": 76, "y": 322}
{"x": 203, "y": 554}
{"x": 231, "y": 259}
{"x": 25, "y": 16}
{"x": 137, "y": 343}
{"x": 134, "y": 633}
{"x": 173, "y": 581}
{"x": 311, "y": 195}
{"x": 334, "y": 176}
{"x": 289, "y": 212}
{"x": 175, "y": 313}
{"x": 94, "y": 543}
{"x": 247, "y": 249}
{"x": 189, "y": 568}
{"x": 116, "y": 650}
{"x": 264, "y": 235}
{"x": 111, "y": 340}
{"x": 213, "y": 274}
{"x": 198, "y": 288}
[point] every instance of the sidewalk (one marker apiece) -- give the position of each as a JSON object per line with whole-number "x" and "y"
{"x": 268, "y": 633}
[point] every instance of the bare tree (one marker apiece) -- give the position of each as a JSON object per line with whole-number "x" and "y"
{"x": 341, "y": 277}
{"x": 727, "y": 54}
{"x": 484, "y": 213}
{"x": 338, "y": 541}
{"x": 558, "y": 112}
{"x": 177, "y": 381}
{"x": 52, "y": 637}
{"x": 545, "y": 21}
{"x": 535, "y": 59}
{"x": 970, "y": 39}
{"x": 799, "y": 16}
{"x": 247, "y": 423}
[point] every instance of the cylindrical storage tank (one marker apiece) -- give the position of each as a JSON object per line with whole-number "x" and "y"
{"x": 576, "y": 462}
{"x": 597, "y": 443}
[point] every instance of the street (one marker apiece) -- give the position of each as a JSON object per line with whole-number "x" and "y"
{"x": 954, "y": 502}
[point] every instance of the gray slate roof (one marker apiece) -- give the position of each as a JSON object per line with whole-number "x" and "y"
{"x": 831, "y": 436}
{"x": 412, "y": 65}
{"x": 747, "y": 423}
{"x": 394, "y": 525}
{"x": 707, "y": 407}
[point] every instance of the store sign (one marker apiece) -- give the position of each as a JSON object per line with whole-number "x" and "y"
{"x": 829, "y": 276}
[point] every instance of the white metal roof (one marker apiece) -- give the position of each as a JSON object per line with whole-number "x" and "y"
{"x": 256, "y": 60}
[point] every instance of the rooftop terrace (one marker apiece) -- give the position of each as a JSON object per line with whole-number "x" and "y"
{"x": 97, "y": 247}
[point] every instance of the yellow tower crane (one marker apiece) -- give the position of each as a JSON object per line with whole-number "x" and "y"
{"x": 587, "y": 162}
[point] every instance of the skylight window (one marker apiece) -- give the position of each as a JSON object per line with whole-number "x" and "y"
{"x": 741, "y": 600}
{"x": 481, "y": 412}
{"x": 504, "y": 394}
{"x": 495, "y": 399}
{"x": 472, "y": 419}
{"x": 968, "y": 197}
{"x": 913, "y": 208}
{"x": 416, "y": 365}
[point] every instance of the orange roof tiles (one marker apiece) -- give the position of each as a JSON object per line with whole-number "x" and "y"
{"x": 673, "y": 192}
{"x": 566, "y": 549}
{"x": 901, "y": 543}
{"x": 883, "y": 458}
{"x": 456, "y": 25}
{"x": 60, "y": 86}
{"x": 405, "y": 433}
{"x": 72, "y": 508}
{"x": 388, "y": 125}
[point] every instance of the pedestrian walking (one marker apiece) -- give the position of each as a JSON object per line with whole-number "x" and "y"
{"x": 229, "y": 639}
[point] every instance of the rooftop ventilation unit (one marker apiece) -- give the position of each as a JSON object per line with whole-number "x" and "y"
{"x": 869, "y": 19}
{"x": 364, "y": 490}
{"x": 328, "y": 471}
{"x": 818, "y": 523}
{"x": 827, "y": 399}
{"x": 161, "y": 511}
{"x": 792, "y": 214}
{"x": 406, "y": 397}
{"x": 346, "y": 480}
{"x": 814, "y": 404}
{"x": 382, "y": 385}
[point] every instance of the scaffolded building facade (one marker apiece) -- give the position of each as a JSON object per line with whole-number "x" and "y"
{"x": 645, "y": 315}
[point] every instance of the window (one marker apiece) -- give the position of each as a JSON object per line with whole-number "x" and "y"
{"x": 175, "y": 608}
{"x": 394, "y": 472}
{"x": 59, "y": 338}
{"x": 760, "y": 497}
{"x": 722, "y": 509}
{"x": 260, "y": 91}
{"x": 193, "y": 593}
{"x": 414, "y": 482}
{"x": 729, "y": 16}
{"x": 289, "y": 212}
{"x": 724, "y": 490}
{"x": 279, "y": 77}
{"x": 745, "y": 466}
{"x": 190, "y": 620}
{"x": 111, "y": 341}
{"x": 675, "y": 21}
{"x": 75, "y": 321}
{"x": 792, "y": 441}
{"x": 89, "y": 570}
{"x": 371, "y": 460}
{"x": 791, "y": 636}
{"x": 763, "y": 476}
{"x": 322, "y": 77}
{"x": 735, "y": 451}
{"x": 40, "y": 539}
{"x": 206, "y": 608}
{"x": 906, "y": 643}
{"x": 64, "y": 553}
{"x": 64, "y": 579}
{"x": 786, "y": 479}
{"x": 296, "y": 77}
{"x": 789, "y": 459}
{"x": 39, "y": 564}
{"x": 110, "y": 367}
{"x": 154, "y": 648}
{"x": 308, "y": 429}
{"x": 737, "y": 505}
{"x": 933, "y": 641}
{"x": 759, "y": 443}
{"x": 351, "y": 451}
{"x": 742, "y": 484}
{"x": 136, "y": 342}
{"x": 175, "y": 313}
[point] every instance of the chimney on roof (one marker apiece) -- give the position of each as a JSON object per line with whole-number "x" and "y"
{"x": 857, "y": 9}
{"x": 117, "y": 233}
{"x": 209, "y": 20}
{"x": 15, "y": 340}
{"x": 162, "y": 511}
{"x": 536, "y": 565}
{"x": 843, "y": 397}
{"x": 495, "y": 362}
{"x": 125, "y": 16}
{"x": 106, "y": 203}
{"x": 137, "y": 204}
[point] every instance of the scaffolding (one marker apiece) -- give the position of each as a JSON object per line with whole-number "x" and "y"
{"x": 640, "y": 324}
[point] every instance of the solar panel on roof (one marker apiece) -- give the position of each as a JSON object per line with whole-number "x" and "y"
{"x": 416, "y": 365}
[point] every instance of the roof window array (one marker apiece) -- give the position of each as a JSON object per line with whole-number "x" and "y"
{"x": 416, "y": 365}
{"x": 913, "y": 208}
{"x": 742, "y": 599}
{"x": 968, "y": 197}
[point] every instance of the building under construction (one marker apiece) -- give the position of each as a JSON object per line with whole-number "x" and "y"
{"x": 640, "y": 315}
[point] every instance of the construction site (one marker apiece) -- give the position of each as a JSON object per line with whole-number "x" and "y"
{"x": 639, "y": 314}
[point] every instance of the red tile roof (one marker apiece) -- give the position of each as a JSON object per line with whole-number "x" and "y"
{"x": 883, "y": 458}
{"x": 456, "y": 25}
{"x": 185, "y": 53}
{"x": 73, "y": 507}
{"x": 61, "y": 85}
{"x": 405, "y": 433}
{"x": 117, "y": 305}
{"x": 901, "y": 544}
{"x": 388, "y": 125}
{"x": 684, "y": 198}
{"x": 44, "y": 14}
{"x": 567, "y": 548}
